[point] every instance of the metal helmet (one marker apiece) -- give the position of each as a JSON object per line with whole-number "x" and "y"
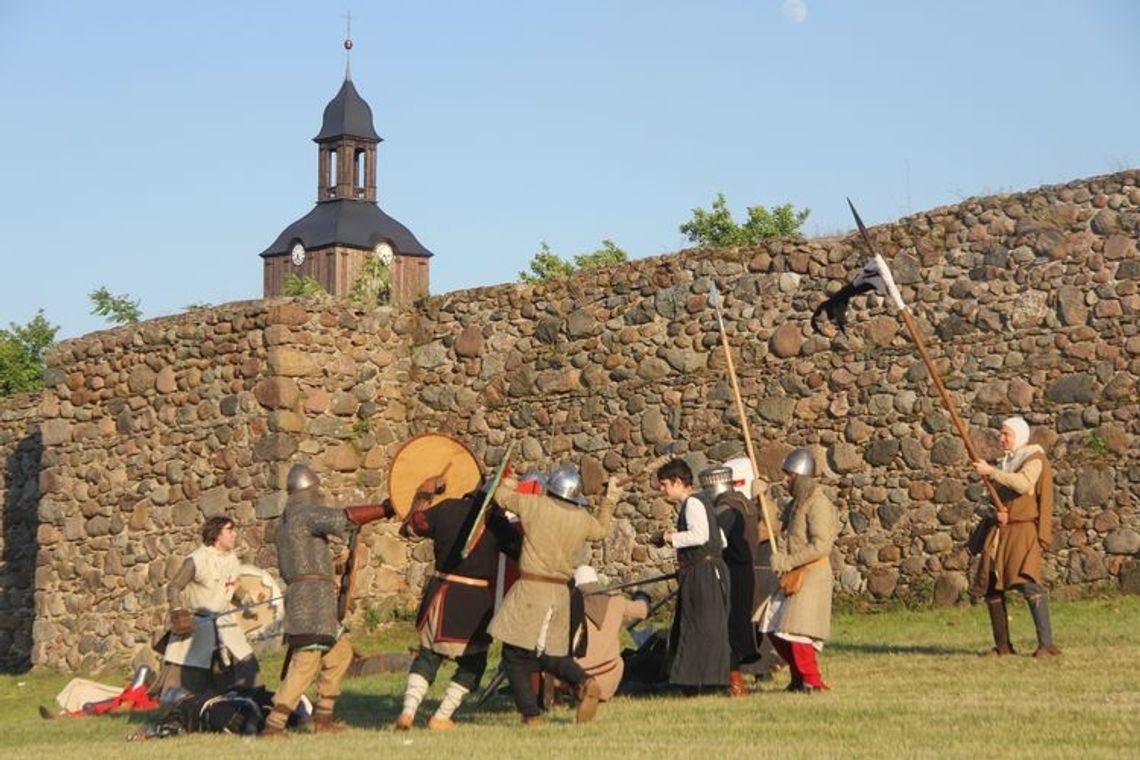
{"x": 565, "y": 483}
{"x": 301, "y": 476}
{"x": 799, "y": 462}
{"x": 716, "y": 480}
{"x": 741, "y": 474}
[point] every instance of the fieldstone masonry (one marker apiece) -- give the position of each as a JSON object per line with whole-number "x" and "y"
{"x": 1029, "y": 303}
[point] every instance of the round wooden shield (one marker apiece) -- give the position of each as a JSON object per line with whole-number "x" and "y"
{"x": 266, "y": 620}
{"x": 426, "y": 456}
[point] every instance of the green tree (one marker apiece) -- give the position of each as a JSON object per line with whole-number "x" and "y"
{"x": 305, "y": 287}
{"x": 118, "y": 310}
{"x": 22, "y": 349}
{"x": 373, "y": 286}
{"x": 608, "y": 254}
{"x": 717, "y": 228}
{"x": 548, "y": 265}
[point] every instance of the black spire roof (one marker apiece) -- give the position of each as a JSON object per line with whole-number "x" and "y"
{"x": 347, "y": 115}
{"x": 356, "y": 224}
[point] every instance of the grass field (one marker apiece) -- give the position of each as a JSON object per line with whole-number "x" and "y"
{"x": 904, "y": 684}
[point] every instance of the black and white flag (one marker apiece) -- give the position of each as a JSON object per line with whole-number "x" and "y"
{"x": 874, "y": 275}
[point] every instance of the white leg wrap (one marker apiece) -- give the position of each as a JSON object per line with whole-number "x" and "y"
{"x": 452, "y": 698}
{"x": 414, "y": 693}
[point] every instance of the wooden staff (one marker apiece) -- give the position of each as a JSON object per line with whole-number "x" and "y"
{"x": 919, "y": 343}
{"x": 714, "y": 301}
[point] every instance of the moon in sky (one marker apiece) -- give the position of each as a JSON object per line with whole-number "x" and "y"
{"x": 795, "y": 11}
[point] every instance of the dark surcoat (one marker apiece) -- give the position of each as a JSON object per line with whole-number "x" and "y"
{"x": 464, "y": 587}
{"x": 737, "y": 518}
{"x": 698, "y": 642}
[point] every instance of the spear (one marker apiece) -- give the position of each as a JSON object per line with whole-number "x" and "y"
{"x": 919, "y": 343}
{"x": 714, "y": 301}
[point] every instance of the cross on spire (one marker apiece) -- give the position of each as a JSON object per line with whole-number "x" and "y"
{"x": 348, "y": 46}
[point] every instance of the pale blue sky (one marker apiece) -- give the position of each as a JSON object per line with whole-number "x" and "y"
{"x": 156, "y": 148}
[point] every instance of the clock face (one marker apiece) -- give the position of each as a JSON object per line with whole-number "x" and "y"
{"x": 298, "y": 254}
{"x": 385, "y": 253}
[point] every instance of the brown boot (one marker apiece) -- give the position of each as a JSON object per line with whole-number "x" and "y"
{"x": 404, "y": 721}
{"x": 736, "y": 687}
{"x": 437, "y": 723}
{"x": 999, "y": 623}
{"x": 533, "y": 721}
{"x": 275, "y": 723}
{"x": 589, "y": 696}
{"x": 324, "y": 723}
{"x": 1049, "y": 651}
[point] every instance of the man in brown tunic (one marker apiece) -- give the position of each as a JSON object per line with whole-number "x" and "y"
{"x": 605, "y": 613}
{"x": 1011, "y": 557}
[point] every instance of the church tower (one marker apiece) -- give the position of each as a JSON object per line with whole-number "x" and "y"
{"x": 333, "y": 241}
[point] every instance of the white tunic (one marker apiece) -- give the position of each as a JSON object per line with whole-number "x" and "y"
{"x": 212, "y": 590}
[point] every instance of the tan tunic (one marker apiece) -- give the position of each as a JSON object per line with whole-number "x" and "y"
{"x": 1013, "y": 552}
{"x": 212, "y": 590}
{"x": 809, "y": 531}
{"x": 603, "y": 648}
{"x": 553, "y": 533}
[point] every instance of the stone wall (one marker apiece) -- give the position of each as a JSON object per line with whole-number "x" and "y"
{"x": 1028, "y": 302}
{"x": 21, "y": 449}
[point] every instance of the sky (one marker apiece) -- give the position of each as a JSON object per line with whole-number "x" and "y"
{"x": 156, "y": 149}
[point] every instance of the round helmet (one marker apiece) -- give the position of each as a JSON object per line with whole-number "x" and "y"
{"x": 301, "y": 477}
{"x": 565, "y": 483}
{"x": 799, "y": 462}
{"x": 716, "y": 480}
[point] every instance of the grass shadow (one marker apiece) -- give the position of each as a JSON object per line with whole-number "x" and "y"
{"x": 926, "y": 649}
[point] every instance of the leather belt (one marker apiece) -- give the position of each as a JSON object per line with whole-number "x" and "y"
{"x": 544, "y": 578}
{"x": 814, "y": 563}
{"x": 603, "y": 668}
{"x": 452, "y": 578}
{"x": 314, "y": 577}
{"x": 684, "y": 567}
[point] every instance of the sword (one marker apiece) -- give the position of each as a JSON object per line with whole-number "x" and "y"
{"x": 492, "y": 686}
{"x": 631, "y": 584}
{"x": 480, "y": 519}
{"x": 203, "y": 617}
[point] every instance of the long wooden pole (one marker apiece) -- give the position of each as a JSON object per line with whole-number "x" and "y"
{"x": 714, "y": 299}
{"x": 919, "y": 343}
{"x": 947, "y": 401}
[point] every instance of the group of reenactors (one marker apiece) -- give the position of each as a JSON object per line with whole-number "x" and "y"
{"x": 744, "y": 588}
